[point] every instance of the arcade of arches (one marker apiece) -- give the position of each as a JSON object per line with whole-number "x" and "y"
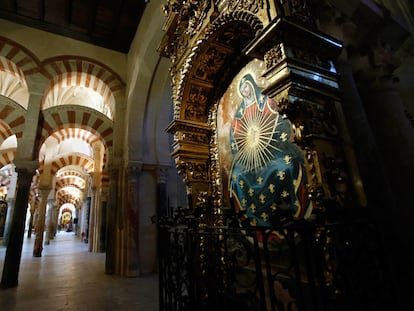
{"x": 100, "y": 142}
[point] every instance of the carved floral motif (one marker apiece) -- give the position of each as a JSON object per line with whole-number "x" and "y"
{"x": 192, "y": 170}
{"x": 310, "y": 118}
{"x": 196, "y": 105}
{"x": 274, "y": 56}
{"x": 248, "y": 5}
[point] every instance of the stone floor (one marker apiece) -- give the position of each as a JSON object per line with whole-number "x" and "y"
{"x": 67, "y": 277}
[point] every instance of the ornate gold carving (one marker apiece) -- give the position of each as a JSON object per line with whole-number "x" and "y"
{"x": 315, "y": 188}
{"x": 310, "y": 118}
{"x": 196, "y": 105}
{"x": 274, "y": 56}
{"x": 209, "y": 63}
{"x": 192, "y": 170}
{"x": 216, "y": 181}
{"x": 188, "y": 16}
{"x": 248, "y": 5}
{"x": 337, "y": 178}
{"x": 185, "y": 131}
{"x": 309, "y": 57}
{"x": 196, "y": 138}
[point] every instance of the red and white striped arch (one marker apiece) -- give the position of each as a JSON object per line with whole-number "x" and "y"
{"x": 70, "y": 180}
{"x": 11, "y": 119}
{"x": 7, "y": 153}
{"x": 58, "y": 66}
{"x": 68, "y": 71}
{"x": 53, "y": 96}
{"x": 60, "y": 120}
{"x": 11, "y": 68}
{"x": 75, "y": 159}
{"x": 25, "y": 62}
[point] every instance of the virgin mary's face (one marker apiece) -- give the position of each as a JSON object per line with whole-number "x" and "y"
{"x": 246, "y": 89}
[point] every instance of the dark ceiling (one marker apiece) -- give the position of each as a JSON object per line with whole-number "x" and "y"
{"x": 107, "y": 23}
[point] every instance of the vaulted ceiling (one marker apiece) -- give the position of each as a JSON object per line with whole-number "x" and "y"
{"x": 107, "y": 23}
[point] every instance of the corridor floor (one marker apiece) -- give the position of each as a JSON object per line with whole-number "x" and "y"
{"x": 67, "y": 278}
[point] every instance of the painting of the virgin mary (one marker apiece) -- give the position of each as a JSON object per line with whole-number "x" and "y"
{"x": 267, "y": 176}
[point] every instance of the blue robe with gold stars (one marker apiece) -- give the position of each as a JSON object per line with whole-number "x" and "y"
{"x": 268, "y": 174}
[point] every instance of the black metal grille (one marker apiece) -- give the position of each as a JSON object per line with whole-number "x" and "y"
{"x": 296, "y": 266}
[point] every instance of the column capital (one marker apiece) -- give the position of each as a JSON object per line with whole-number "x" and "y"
{"x": 28, "y": 166}
{"x": 163, "y": 174}
{"x": 134, "y": 166}
{"x": 133, "y": 169}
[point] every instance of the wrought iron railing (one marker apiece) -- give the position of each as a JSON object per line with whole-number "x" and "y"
{"x": 296, "y": 266}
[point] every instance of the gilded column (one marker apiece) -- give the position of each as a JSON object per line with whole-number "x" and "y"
{"x": 192, "y": 158}
{"x": 40, "y": 226}
{"x": 14, "y": 248}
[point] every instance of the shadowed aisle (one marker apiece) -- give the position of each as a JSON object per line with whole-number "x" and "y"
{"x": 68, "y": 277}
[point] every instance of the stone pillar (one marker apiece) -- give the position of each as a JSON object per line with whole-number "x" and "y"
{"x": 92, "y": 220}
{"x": 146, "y": 206}
{"x": 32, "y": 211}
{"x": 111, "y": 228}
{"x": 55, "y": 215}
{"x": 15, "y": 243}
{"x": 370, "y": 159}
{"x": 163, "y": 208}
{"x": 9, "y": 216}
{"x": 48, "y": 221}
{"x": 87, "y": 218}
{"x": 97, "y": 220}
{"x": 102, "y": 227}
{"x": 395, "y": 137}
{"x": 40, "y": 226}
{"x": 133, "y": 221}
{"x": 10, "y": 198}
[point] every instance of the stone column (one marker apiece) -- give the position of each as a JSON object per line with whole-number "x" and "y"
{"x": 370, "y": 159}
{"x": 32, "y": 211}
{"x": 9, "y": 216}
{"x": 48, "y": 221}
{"x": 133, "y": 221}
{"x": 163, "y": 208}
{"x": 395, "y": 137}
{"x": 10, "y": 199}
{"x": 87, "y": 218}
{"x": 102, "y": 227}
{"x": 111, "y": 227}
{"x": 15, "y": 243}
{"x": 40, "y": 226}
{"x": 92, "y": 220}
